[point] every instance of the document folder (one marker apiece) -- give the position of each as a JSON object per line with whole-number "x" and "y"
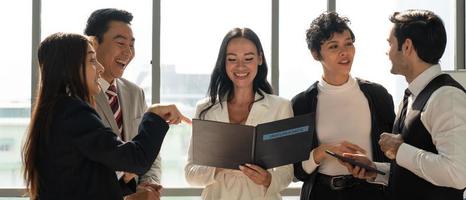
{"x": 268, "y": 145}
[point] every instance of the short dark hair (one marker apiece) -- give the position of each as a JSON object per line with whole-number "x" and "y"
{"x": 221, "y": 85}
{"x": 97, "y": 24}
{"x": 323, "y": 27}
{"x": 426, "y": 31}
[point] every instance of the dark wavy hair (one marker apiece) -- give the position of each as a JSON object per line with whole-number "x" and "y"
{"x": 97, "y": 24}
{"x": 62, "y": 59}
{"x": 323, "y": 27}
{"x": 426, "y": 31}
{"x": 221, "y": 85}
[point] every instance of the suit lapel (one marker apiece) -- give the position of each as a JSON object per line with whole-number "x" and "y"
{"x": 220, "y": 112}
{"x": 258, "y": 110}
{"x": 124, "y": 104}
{"x": 223, "y": 113}
{"x": 106, "y": 111}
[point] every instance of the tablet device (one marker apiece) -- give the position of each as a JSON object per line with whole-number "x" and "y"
{"x": 354, "y": 162}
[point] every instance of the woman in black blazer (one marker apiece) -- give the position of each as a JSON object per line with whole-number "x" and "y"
{"x": 350, "y": 115}
{"x": 69, "y": 153}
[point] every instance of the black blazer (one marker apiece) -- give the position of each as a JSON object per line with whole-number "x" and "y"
{"x": 382, "y": 118}
{"x": 78, "y": 156}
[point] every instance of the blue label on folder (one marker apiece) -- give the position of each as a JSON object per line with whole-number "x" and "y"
{"x": 285, "y": 133}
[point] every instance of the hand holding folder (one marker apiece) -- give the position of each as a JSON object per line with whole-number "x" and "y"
{"x": 267, "y": 145}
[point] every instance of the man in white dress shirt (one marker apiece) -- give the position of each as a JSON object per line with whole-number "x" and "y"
{"x": 428, "y": 143}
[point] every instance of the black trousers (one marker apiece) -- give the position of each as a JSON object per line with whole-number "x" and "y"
{"x": 363, "y": 191}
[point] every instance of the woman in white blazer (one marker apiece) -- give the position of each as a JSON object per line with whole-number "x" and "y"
{"x": 240, "y": 94}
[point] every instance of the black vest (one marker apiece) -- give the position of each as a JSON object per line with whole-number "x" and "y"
{"x": 403, "y": 184}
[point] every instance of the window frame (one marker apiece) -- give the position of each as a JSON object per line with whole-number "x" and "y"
{"x": 459, "y": 60}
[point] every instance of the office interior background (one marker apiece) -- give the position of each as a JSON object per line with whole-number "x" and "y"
{"x": 177, "y": 43}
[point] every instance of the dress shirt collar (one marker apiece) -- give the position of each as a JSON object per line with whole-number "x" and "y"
{"x": 421, "y": 81}
{"x": 104, "y": 85}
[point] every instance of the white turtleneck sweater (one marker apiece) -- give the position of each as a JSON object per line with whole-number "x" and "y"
{"x": 342, "y": 115}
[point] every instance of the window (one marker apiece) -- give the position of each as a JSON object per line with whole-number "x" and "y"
{"x": 190, "y": 39}
{"x": 71, "y": 16}
{"x": 15, "y": 101}
{"x": 191, "y": 33}
{"x": 298, "y": 70}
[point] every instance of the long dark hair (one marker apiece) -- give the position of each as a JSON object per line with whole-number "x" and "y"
{"x": 221, "y": 85}
{"x": 62, "y": 73}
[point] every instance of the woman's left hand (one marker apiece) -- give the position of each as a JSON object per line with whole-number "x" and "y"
{"x": 257, "y": 174}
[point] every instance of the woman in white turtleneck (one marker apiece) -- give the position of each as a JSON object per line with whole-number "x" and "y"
{"x": 350, "y": 115}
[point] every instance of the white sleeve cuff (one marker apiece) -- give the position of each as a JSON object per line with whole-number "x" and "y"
{"x": 309, "y": 165}
{"x": 281, "y": 178}
{"x": 382, "y": 179}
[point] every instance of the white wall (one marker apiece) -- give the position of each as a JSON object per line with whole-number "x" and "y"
{"x": 459, "y": 76}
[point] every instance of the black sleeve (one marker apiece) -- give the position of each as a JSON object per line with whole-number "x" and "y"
{"x": 127, "y": 188}
{"x": 300, "y": 106}
{"x": 387, "y": 117}
{"x": 101, "y": 145}
{"x": 390, "y": 112}
{"x": 299, "y": 172}
{"x": 386, "y": 110}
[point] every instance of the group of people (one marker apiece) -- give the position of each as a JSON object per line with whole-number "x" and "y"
{"x": 92, "y": 136}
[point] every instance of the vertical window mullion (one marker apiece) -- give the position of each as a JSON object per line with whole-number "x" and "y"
{"x": 460, "y": 54}
{"x": 274, "y": 67}
{"x": 156, "y": 52}
{"x": 35, "y": 34}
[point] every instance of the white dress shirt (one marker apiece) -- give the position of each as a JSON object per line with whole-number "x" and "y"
{"x": 104, "y": 85}
{"x": 444, "y": 117}
{"x": 233, "y": 184}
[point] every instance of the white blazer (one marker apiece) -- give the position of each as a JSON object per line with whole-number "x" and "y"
{"x": 233, "y": 184}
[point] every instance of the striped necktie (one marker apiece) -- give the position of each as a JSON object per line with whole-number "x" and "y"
{"x": 400, "y": 123}
{"x": 116, "y": 109}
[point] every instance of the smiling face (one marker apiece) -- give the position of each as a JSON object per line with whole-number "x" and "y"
{"x": 116, "y": 50}
{"x": 399, "y": 64}
{"x": 337, "y": 55}
{"x": 241, "y": 62}
{"x": 93, "y": 71}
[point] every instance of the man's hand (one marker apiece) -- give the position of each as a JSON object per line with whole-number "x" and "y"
{"x": 343, "y": 147}
{"x": 390, "y": 143}
{"x": 258, "y": 175}
{"x": 127, "y": 176}
{"x": 144, "y": 193}
{"x": 357, "y": 171}
{"x": 153, "y": 186}
{"x": 169, "y": 113}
